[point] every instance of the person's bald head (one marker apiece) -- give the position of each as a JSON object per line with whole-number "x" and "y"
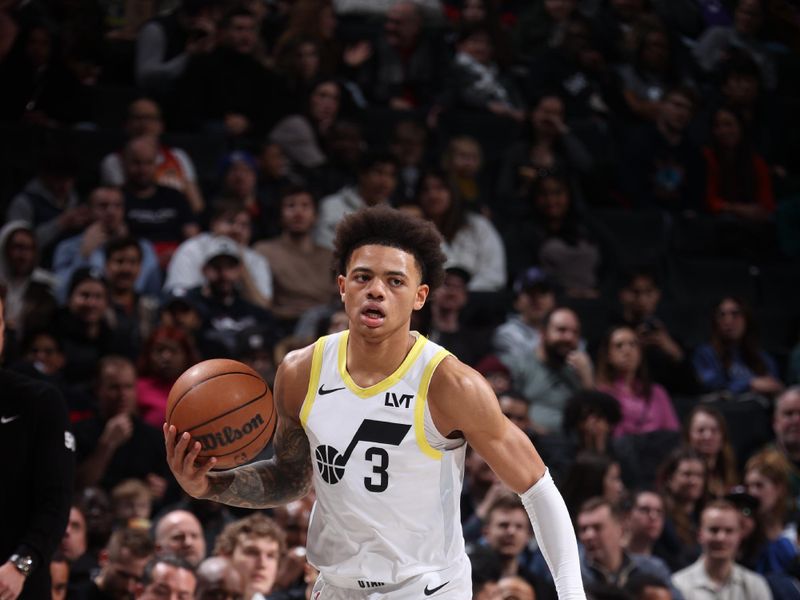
{"x": 217, "y": 577}
{"x": 403, "y": 24}
{"x": 180, "y": 532}
{"x": 139, "y": 161}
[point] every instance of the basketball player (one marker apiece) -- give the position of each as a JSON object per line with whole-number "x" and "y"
{"x": 377, "y": 417}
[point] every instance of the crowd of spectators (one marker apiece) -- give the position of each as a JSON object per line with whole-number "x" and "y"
{"x": 617, "y": 187}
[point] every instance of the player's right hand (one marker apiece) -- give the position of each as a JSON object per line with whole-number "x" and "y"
{"x": 191, "y": 474}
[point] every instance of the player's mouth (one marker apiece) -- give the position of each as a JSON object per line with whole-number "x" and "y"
{"x": 372, "y": 315}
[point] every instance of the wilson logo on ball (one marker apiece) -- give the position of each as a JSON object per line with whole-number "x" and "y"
{"x": 229, "y": 435}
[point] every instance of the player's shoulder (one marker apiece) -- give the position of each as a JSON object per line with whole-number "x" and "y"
{"x": 454, "y": 378}
{"x": 459, "y": 396}
{"x": 298, "y": 362}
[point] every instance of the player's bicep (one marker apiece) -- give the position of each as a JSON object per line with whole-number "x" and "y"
{"x": 465, "y": 402}
{"x": 291, "y": 384}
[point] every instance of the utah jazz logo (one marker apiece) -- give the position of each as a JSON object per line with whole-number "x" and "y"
{"x": 331, "y": 464}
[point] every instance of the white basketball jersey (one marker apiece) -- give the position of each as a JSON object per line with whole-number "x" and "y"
{"x": 388, "y": 484}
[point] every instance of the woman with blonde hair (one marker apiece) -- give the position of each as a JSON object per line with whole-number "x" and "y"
{"x": 706, "y": 431}
{"x": 766, "y": 476}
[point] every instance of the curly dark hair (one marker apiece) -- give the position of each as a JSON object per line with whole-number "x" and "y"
{"x": 589, "y": 403}
{"x": 385, "y": 226}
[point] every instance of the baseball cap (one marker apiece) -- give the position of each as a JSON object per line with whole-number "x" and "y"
{"x": 237, "y": 156}
{"x": 222, "y": 246}
{"x": 746, "y": 503}
{"x": 85, "y": 274}
{"x": 180, "y": 295}
{"x": 459, "y": 272}
{"x": 296, "y": 138}
{"x": 533, "y": 278}
{"x": 491, "y": 364}
{"x": 255, "y": 339}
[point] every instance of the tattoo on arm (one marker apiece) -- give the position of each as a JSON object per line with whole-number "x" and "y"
{"x": 268, "y": 483}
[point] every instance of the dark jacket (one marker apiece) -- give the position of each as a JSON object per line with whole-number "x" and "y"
{"x": 38, "y": 474}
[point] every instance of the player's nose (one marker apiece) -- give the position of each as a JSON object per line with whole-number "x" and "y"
{"x": 376, "y": 289}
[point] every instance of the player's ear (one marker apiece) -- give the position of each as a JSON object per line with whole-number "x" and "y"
{"x": 422, "y": 294}
{"x": 340, "y": 279}
{"x": 102, "y": 558}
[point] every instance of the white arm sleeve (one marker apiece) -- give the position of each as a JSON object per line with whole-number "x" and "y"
{"x": 555, "y": 535}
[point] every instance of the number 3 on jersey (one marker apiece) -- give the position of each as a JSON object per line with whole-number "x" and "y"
{"x": 331, "y": 463}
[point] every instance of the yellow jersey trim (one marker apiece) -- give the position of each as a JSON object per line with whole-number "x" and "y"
{"x": 419, "y": 406}
{"x": 385, "y": 384}
{"x": 313, "y": 380}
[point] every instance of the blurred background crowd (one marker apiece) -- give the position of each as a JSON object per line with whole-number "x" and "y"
{"x": 618, "y": 189}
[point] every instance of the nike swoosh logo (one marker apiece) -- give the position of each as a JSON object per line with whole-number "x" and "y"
{"x": 322, "y": 391}
{"x": 434, "y": 590}
{"x": 4, "y": 420}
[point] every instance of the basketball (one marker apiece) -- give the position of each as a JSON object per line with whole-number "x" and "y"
{"x": 227, "y": 407}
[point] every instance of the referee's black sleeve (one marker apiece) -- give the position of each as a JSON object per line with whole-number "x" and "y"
{"x": 53, "y": 465}
{"x": 37, "y": 456}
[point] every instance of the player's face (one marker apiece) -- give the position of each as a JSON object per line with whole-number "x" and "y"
{"x": 258, "y": 558}
{"x": 381, "y": 289}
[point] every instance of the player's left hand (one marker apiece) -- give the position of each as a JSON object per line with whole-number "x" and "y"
{"x": 182, "y": 459}
{"x": 11, "y": 582}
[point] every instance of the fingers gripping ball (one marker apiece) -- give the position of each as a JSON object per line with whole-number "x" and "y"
{"x": 227, "y": 407}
